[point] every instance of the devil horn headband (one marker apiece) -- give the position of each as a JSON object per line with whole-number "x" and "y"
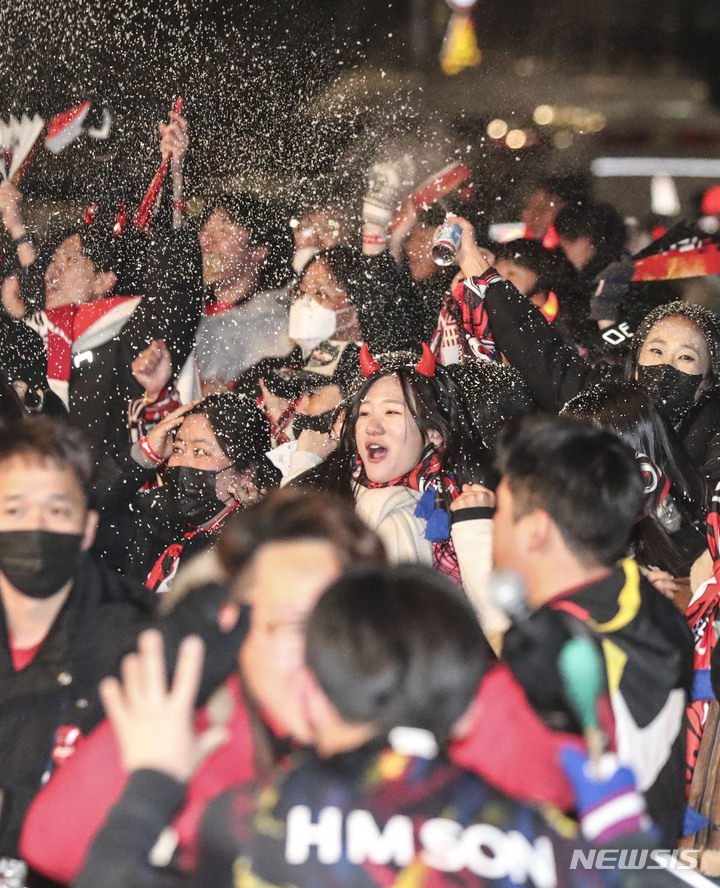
{"x": 425, "y": 366}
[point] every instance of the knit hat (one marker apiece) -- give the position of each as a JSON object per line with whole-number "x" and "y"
{"x": 706, "y": 320}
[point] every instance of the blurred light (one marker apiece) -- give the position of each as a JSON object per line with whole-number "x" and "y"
{"x": 563, "y": 139}
{"x": 497, "y": 128}
{"x": 294, "y": 222}
{"x": 516, "y": 139}
{"x": 502, "y": 232}
{"x": 664, "y": 200}
{"x": 596, "y": 122}
{"x": 709, "y": 224}
{"x": 525, "y": 67}
{"x": 544, "y": 114}
{"x": 710, "y": 205}
{"x": 656, "y": 166}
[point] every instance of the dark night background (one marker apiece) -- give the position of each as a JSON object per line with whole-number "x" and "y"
{"x": 252, "y": 73}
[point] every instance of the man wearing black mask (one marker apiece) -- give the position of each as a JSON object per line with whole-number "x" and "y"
{"x": 64, "y": 621}
{"x": 211, "y": 455}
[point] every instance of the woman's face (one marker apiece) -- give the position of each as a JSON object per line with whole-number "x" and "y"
{"x": 319, "y": 283}
{"x": 388, "y": 439}
{"x": 679, "y": 342}
{"x": 226, "y": 250}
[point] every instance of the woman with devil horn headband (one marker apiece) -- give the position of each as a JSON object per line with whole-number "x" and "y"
{"x": 406, "y": 449}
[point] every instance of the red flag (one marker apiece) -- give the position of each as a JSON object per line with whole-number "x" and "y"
{"x": 65, "y": 127}
{"x": 145, "y": 211}
{"x": 691, "y": 257}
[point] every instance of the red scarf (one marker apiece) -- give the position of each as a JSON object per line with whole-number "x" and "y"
{"x": 425, "y": 473}
{"x": 464, "y": 320}
{"x": 278, "y": 426}
{"x": 701, "y": 616}
{"x": 143, "y": 415}
{"x": 167, "y": 564}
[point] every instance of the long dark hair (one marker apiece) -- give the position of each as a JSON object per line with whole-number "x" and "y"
{"x": 629, "y": 411}
{"x": 436, "y": 404}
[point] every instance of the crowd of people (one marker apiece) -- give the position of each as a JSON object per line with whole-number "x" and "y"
{"x": 323, "y": 564}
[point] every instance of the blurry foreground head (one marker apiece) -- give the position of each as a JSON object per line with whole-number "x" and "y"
{"x": 392, "y": 647}
{"x": 281, "y": 554}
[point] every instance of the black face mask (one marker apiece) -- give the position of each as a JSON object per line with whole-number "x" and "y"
{"x": 673, "y": 390}
{"x": 38, "y": 563}
{"x": 195, "y": 493}
{"x": 318, "y": 423}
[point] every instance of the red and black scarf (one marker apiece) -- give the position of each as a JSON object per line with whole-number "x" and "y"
{"x": 466, "y": 308}
{"x": 279, "y": 425}
{"x": 166, "y": 566}
{"x": 702, "y": 616}
{"x": 436, "y": 487}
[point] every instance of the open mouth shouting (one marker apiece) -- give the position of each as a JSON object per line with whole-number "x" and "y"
{"x": 375, "y": 452}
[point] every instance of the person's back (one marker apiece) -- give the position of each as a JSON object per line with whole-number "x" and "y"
{"x": 377, "y": 813}
{"x": 566, "y": 507}
{"x": 392, "y": 657}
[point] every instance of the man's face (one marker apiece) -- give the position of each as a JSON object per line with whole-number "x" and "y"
{"x": 540, "y": 211}
{"x": 226, "y": 250}
{"x": 579, "y": 251}
{"x": 70, "y": 278}
{"x": 42, "y": 495}
{"x": 282, "y": 585}
{"x": 522, "y": 278}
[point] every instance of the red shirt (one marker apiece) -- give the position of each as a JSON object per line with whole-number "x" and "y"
{"x": 22, "y": 657}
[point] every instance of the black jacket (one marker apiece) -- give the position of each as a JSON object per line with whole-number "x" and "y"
{"x": 136, "y": 526}
{"x": 648, "y": 653}
{"x": 57, "y": 692}
{"x": 555, "y": 372}
{"x": 170, "y": 309}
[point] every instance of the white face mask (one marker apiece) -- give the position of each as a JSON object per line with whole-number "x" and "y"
{"x": 310, "y": 323}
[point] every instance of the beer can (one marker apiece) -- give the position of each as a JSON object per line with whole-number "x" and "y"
{"x": 446, "y": 243}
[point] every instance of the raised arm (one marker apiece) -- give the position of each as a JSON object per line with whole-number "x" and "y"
{"x": 553, "y": 370}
